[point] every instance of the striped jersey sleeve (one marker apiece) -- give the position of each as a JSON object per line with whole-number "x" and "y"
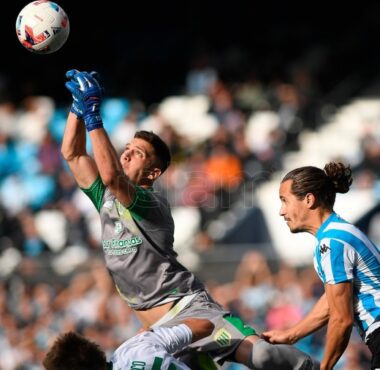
{"x": 335, "y": 261}
{"x": 343, "y": 253}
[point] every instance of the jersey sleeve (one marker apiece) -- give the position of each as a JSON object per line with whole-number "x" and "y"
{"x": 337, "y": 262}
{"x": 174, "y": 338}
{"x": 96, "y": 192}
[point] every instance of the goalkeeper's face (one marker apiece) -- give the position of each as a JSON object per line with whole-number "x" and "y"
{"x": 139, "y": 162}
{"x": 295, "y": 211}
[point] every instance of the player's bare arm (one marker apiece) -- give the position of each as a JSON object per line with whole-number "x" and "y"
{"x": 74, "y": 152}
{"x": 314, "y": 320}
{"x": 110, "y": 169}
{"x": 200, "y": 328}
{"x": 340, "y": 298}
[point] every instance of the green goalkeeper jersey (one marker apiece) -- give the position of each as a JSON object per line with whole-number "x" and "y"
{"x": 138, "y": 248}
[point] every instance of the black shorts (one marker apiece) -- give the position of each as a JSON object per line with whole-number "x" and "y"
{"x": 373, "y": 343}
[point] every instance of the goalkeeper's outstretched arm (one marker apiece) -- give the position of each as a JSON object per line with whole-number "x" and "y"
{"x": 73, "y": 149}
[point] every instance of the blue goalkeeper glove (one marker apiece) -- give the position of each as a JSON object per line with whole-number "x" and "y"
{"x": 76, "y": 107}
{"x": 87, "y": 95}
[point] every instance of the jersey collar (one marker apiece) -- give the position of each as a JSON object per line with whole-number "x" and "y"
{"x": 325, "y": 223}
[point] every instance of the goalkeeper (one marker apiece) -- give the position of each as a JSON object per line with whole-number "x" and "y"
{"x": 137, "y": 236}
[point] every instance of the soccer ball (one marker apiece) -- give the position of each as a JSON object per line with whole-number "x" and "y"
{"x": 42, "y": 27}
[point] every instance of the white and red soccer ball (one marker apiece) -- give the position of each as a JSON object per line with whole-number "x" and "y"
{"x": 42, "y": 27}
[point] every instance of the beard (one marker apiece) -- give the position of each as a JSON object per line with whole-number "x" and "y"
{"x": 296, "y": 229}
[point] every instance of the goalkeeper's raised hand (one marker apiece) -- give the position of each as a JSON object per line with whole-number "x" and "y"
{"x": 77, "y": 106}
{"x": 87, "y": 95}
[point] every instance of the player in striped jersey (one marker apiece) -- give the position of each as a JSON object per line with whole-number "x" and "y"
{"x": 149, "y": 350}
{"x": 345, "y": 259}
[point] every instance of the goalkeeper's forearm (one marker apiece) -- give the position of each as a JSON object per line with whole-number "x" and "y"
{"x": 74, "y": 138}
{"x": 105, "y": 155}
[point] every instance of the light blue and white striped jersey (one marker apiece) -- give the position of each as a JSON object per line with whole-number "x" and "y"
{"x": 344, "y": 253}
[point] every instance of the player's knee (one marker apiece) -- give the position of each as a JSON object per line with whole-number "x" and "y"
{"x": 261, "y": 355}
{"x": 266, "y": 356}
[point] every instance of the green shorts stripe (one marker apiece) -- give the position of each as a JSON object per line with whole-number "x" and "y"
{"x": 239, "y": 325}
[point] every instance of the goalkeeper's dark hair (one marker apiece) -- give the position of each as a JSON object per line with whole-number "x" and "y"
{"x": 323, "y": 184}
{"x": 160, "y": 147}
{"x": 72, "y": 351}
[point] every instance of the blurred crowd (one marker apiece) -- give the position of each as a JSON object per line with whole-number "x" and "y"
{"x": 51, "y": 279}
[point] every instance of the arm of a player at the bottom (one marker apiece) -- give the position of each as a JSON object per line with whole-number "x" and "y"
{"x": 175, "y": 338}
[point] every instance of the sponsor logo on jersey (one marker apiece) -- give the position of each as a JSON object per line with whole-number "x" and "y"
{"x": 222, "y": 337}
{"x": 121, "y": 246}
{"x": 323, "y": 249}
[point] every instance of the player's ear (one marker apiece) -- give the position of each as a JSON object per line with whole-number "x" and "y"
{"x": 310, "y": 200}
{"x": 154, "y": 173}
